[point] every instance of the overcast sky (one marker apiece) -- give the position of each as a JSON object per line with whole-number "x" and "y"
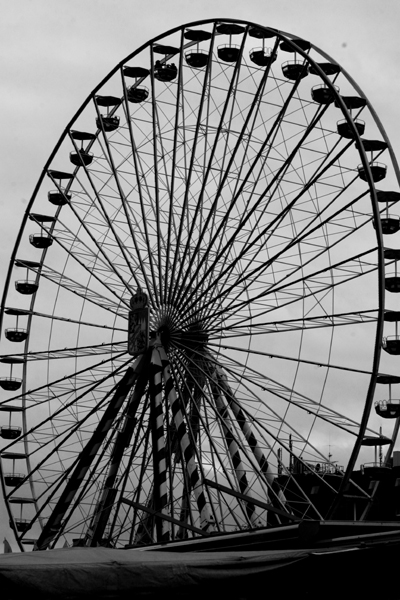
{"x": 54, "y": 52}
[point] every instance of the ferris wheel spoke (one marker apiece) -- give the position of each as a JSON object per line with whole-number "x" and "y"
{"x": 54, "y": 317}
{"x": 66, "y": 239}
{"x": 322, "y": 364}
{"x": 269, "y": 230}
{"x": 249, "y": 117}
{"x": 76, "y": 352}
{"x": 240, "y": 329}
{"x": 106, "y": 219}
{"x": 304, "y": 236}
{"x": 92, "y": 215}
{"x": 189, "y": 170}
{"x": 143, "y": 188}
{"x": 62, "y": 281}
{"x": 291, "y": 396}
{"x": 257, "y": 272}
{"x": 45, "y": 431}
{"x": 210, "y": 159}
{"x": 286, "y": 155}
{"x": 179, "y": 138}
{"x": 63, "y": 235}
{"x": 64, "y": 388}
{"x": 285, "y": 166}
{"x": 156, "y": 142}
{"x": 86, "y": 457}
{"x": 315, "y": 285}
{"x": 291, "y": 243}
{"x": 354, "y": 266}
{"x": 114, "y": 221}
{"x": 247, "y": 133}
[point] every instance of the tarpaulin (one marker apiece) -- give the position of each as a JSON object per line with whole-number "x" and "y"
{"x": 108, "y": 573}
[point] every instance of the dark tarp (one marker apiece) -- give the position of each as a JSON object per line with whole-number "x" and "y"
{"x": 75, "y": 573}
{"x": 108, "y": 573}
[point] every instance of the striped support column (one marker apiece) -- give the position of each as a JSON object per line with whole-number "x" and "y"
{"x": 194, "y": 382}
{"x": 206, "y": 518}
{"x": 234, "y": 452}
{"x": 249, "y": 435}
{"x": 160, "y": 465}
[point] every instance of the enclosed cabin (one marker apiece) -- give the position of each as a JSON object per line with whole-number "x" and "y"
{"x": 41, "y": 240}
{"x": 229, "y": 52}
{"x": 20, "y": 524}
{"x": 392, "y": 279}
{"x": 297, "y": 68}
{"x": 28, "y": 286}
{"x": 163, "y": 70}
{"x": 349, "y": 128}
{"x": 11, "y": 383}
{"x": 16, "y": 334}
{"x": 194, "y": 56}
{"x": 391, "y": 343}
{"x": 108, "y": 122}
{"x": 389, "y": 408}
{"x": 376, "y": 470}
{"x": 62, "y": 181}
{"x": 137, "y": 92}
{"x": 377, "y": 169}
{"x": 262, "y": 56}
{"x": 327, "y": 69}
{"x": 10, "y": 431}
{"x": 13, "y": 479}
{"x": 390, "y": 223}
{"x": 322, "y": 93}
{"x": 81, "y": 157}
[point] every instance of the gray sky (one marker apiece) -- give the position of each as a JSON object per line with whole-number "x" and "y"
{"x": 53, "y": 52}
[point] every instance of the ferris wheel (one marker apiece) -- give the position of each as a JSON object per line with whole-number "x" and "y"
{"x": 195, "y": 306}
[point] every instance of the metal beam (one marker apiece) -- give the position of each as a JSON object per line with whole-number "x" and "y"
{"x": 250, "y": 499}
{"x": 155, "y": 513}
